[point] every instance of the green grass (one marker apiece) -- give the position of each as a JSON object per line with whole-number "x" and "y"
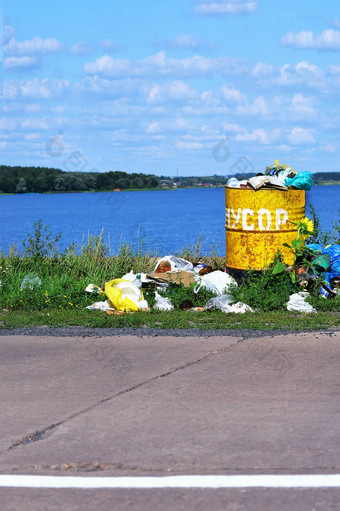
{"x": 58, "y": 298}
{"x": 209, "y": 320}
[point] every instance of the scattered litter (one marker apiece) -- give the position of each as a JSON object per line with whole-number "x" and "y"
{"x": 223, "y": 303}
{"x": 202, "y": 269}
{"x": 102, "y": 306}
{"x": 172, "y": 263}
{"x": 162, "y": 303}
{"x": 92, "y": 288}
{"x": 134, "y": 276}
{"x": 297, "y": 302}
{"x": 31, "y": 281}
{"x": 125, "y": 296}
{"x": 217, "y": 282}
{"x": 218, "y": 302}
{"x": 178, "y": 277}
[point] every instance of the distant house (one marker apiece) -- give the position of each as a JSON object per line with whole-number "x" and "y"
{"x": 117, "y": 190}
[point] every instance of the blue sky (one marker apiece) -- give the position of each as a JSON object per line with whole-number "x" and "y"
{"x": 202, "y": 86}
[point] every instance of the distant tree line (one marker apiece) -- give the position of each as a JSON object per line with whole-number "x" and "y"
{"x": 324, "y": 177}
{"x": 43, "y": 179}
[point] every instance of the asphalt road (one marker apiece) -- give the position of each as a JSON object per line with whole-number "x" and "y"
{"x": 147, "y": 405}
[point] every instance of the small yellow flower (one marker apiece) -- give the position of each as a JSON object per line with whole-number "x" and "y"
{"x": 305, "y": 228}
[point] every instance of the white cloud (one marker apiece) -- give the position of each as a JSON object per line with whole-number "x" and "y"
{"x": 257, "y": 107}
{"x": 108, "y": 45}
{"x": 257, "y": 136}
{"x": 303, "y": 73}
{"x": 231, "y": 128}
{"x": 327, "y": 40}
{"x": 183, "y": 144}
{"x": 8, "y": 33}
{"x": 301, "y": 136}
{"x": 302, "y": 106}
{"x": 21, "y": 63}
{"x": 35, "y": 46}
{"x": 30, "y": 108}
{"x": 176, "y": 125}
{"x": 263, "y": 69}
{"x": 335, "y": 23}
{"x": 208, "y": 7}
{"x": 232, "y": 95}
{"x": 160, "y": 64}
{"x": 177, "y": 90}
{"x": 34, "y": 124}
{"x": 185, "y": 41}
{"x": 36, "y": 88}
{"x": 82, "y": 48}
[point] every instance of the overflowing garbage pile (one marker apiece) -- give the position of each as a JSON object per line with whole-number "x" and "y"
{"x": 278, "y": 176}
{"x": 324, "y": 266}
{"x": 126, "y": 293}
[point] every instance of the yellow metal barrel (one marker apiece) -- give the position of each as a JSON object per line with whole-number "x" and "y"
{"x": 258, "y": 223}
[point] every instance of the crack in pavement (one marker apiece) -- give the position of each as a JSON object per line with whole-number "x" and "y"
{"x": 40, "y": 434}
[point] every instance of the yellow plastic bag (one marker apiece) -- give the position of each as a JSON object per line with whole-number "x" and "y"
{"x": 123, "y": 295}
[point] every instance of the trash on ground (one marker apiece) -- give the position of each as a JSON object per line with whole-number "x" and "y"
{"x": 218, "y": 282}
{"x": 297, "y": 302}
{"x": 92, "y": 288}
{"x": 186, "y": 305}
{"x": 102, "y": 306}
{"x": 218, "y": 302}
{"x": 125, "y": 295}
{"x": 133, "y": 277}
{"x": 223, "y": 303}
{"x": 172, "y": 263}
{"x": 162, "y": 303}
{"x": 202, "y": 269}
{"x": 30, "y": 281}
{"x": 327, "y": 265}
{"x": 178, "y": 277}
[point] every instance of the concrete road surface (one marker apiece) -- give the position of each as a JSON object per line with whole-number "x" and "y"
{"x": 159, "y": 406}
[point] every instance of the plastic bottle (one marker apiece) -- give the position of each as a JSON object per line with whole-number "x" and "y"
{"x": 137, "y": 282}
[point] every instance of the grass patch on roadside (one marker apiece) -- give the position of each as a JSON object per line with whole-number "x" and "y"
{"x": 208, "y": 320}
{"x": 56, "y": 297}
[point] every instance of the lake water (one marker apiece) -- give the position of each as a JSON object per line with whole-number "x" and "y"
{"x": 167, "y": 221}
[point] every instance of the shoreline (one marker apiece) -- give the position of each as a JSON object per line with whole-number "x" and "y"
{"x": 336, "y": 183}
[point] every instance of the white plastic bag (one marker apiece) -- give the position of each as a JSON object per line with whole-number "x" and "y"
{"x": 31, "y": 281}
{"x": 176, "y": 263}
{"x": 218, "y": 302}
{"x": 162, "y": 303}
{"x": 297, "y": 302}
{"x": 101, "y": 306}
{"x": 222, "y": 303}
{"x": 132, "y": 276}
{"x": 239, "y": 308}
{"x": 218, "y": 282}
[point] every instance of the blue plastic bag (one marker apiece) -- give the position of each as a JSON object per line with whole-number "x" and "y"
{"x": 334, "y": 253}
{"x": 303, "y": 180}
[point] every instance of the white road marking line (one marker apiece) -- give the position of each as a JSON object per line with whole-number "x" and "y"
{"x": 182, "y": 481}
